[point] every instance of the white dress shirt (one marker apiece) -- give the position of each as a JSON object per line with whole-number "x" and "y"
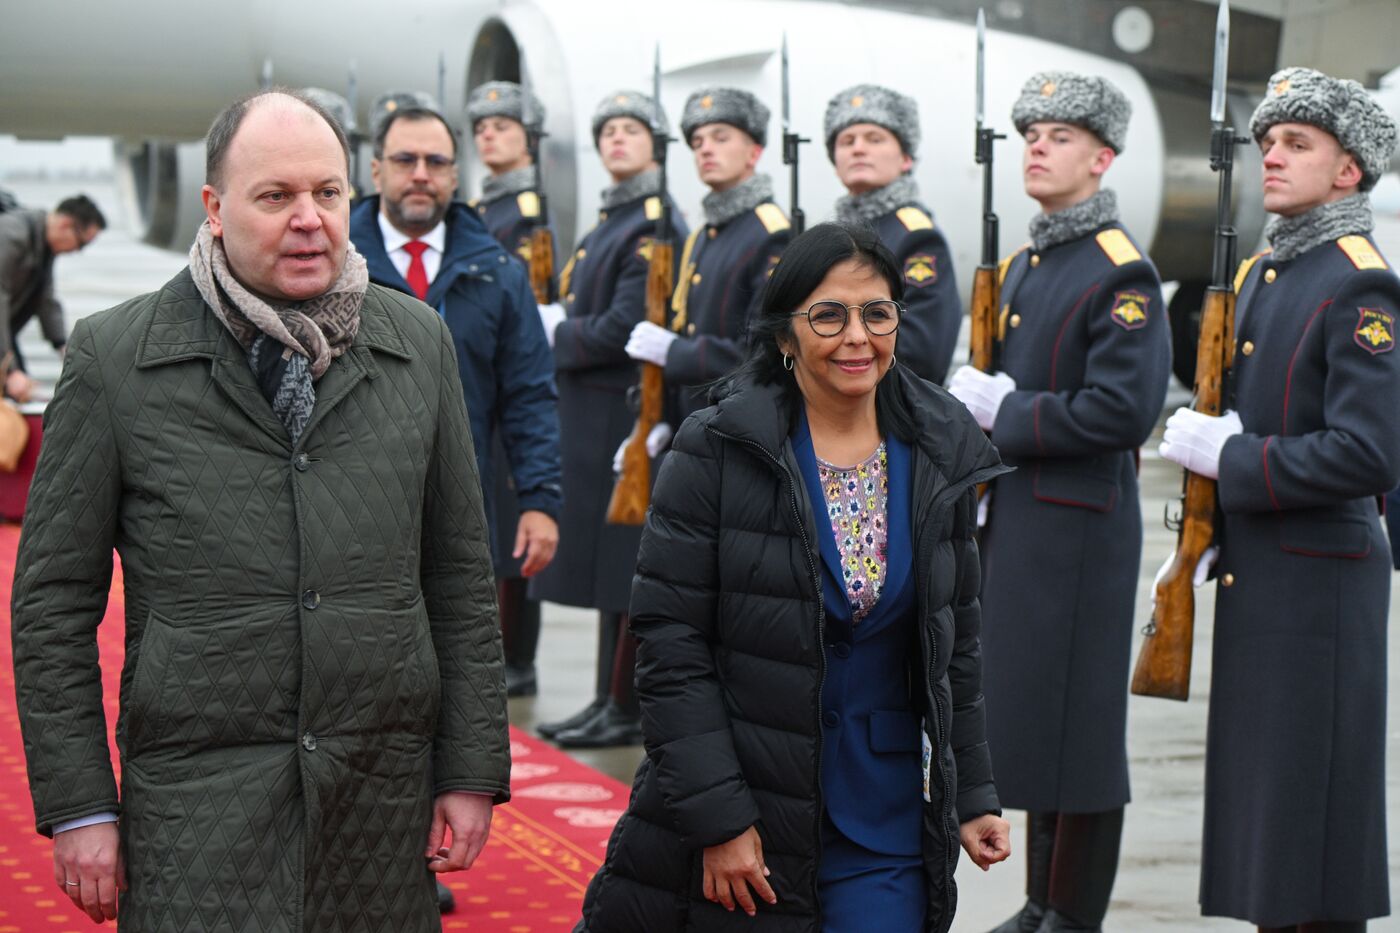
{"x": 394, "y": 240}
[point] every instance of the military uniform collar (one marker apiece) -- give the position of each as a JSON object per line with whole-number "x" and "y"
{"x": 495, "y": 187}
{"x": 1291, "y": 237}
{"x": 723, "y": 206}
{"x": 870, "y": 206}
{"x": 1074, "y": 222}
{"x": 642, "y": 185}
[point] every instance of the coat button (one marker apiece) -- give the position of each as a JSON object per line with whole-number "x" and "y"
{"x": 602, "y": 215}
{"x": 569, "y": 297}
{"x": 1270, "y": 275}
{"x": 831, "y": 719}
{"x": 308, "y": 742}
{"x": 581, "y": 253}
{"x": 1247, "y": 348}
{"x": 1035, "y": 261}
{"x": 1014, "y": 320}
{"x": 713, "y": 233}
{"x": 695, "y": 279}
{"x": 690, "y": 330}
{"x": 1227, "y": 580}
{"x": 841, "y": 649}
{"x": 310, "y": 599}
{"x": 302, "y": 462}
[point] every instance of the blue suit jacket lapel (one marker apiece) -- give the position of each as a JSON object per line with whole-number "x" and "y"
{"x": 826, "y": 541}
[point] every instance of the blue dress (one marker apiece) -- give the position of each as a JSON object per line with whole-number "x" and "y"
{"x": 871, "y": 874}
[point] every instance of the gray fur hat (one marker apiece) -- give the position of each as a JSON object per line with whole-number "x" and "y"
{"x": 632, "y": 104}
{"x": 503, "y": 99}
{"x": 1341, "y": 107}
{"x": 871, "y": 103}
{"x": 335, "y": 105}
{"x": 729, "y": 105}
{"x": 1082, "y": 100}
{"x": 385, "y": 104}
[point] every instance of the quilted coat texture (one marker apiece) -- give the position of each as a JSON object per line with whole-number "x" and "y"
{"x": 312, "y": 646}
{"x": 727, "y": 609}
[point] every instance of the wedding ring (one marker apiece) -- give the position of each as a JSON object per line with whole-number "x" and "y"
{"x": 72, "y": 884}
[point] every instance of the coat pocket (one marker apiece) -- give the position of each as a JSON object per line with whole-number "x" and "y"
{"x": 1319, "y": 537}
{"x": 143, "y": 723}
{"x": 1076, "y": 483}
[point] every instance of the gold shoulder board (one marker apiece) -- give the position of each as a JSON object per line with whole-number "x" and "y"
{"x": 772, "y": 217}
{"x": 653, "y": 208}
{"x": 1004, "y": 266}
{"x": 1119, "y": 249}
{"x": 1361, "y": 253}
{"x": 529, "y": 203}
{"x": 1243, "y": 272}
{"x": 914, "y": 219}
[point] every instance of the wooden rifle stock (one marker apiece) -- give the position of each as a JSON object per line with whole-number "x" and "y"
{"x": 632, "y": 493}
{"x": 542, "y": 264}
{"x": 985, "y": 298}
{"x": 1164, "y": 665}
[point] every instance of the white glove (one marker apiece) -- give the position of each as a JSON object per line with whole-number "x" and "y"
{"x": 981, "y": 393}
{"x": 1195, "y": 440}
{"x": 657, "y": 440}
{"x": 551, "y": 316}
{"x": 984, "y": 508}
{"x": 1198, "y": 577}
{"x": 650, "y": 343}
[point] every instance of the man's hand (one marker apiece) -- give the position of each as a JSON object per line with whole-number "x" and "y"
{"x": 649, "y": 343}
{"x": 536, "y": 537}
{"x": 986, "y": 839}
{"x": 551, "y": 316}
{"x": 732, "y": 867}
{"x": 981, "y": 393}
{"x": 469, "y": 817}
{"x": 87, "y": 866}
{"x": 19, "y": 386}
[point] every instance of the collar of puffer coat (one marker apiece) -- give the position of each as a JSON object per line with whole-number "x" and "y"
{"x": 943, "y": 428}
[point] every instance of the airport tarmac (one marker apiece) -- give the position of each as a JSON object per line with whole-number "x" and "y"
{"x": 1159, "y": 873}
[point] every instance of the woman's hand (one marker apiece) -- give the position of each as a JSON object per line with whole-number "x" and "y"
{"x": 731, "y": 868}
{"x": 986, "y": 839}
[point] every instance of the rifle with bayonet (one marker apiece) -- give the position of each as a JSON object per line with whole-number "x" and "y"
{"x": 632, "y": 493}
{"x": 986, "y": 289}
{"x": 541, "y": 236}
{"x": 1164, "y": 665}
{"x": 791, "y": 142}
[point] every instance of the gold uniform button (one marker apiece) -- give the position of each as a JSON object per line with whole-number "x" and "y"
{"x": 602, "y": 215}
{"x": 1248, "y": 347}
{"x": 690, "y": 330}
{"x": 1227, "y": 580}
{"x": 569, "y": 297}
{"x": 695, "y": 279}
{"x": 1035, "y": 261}
{"x": 581, "y": 253}
{"x": 1270, "y": 275}
{"x": 1015, "y": 320}
{"x": 713, "y": 233}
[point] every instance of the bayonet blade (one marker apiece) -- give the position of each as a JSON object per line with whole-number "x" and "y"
{"x": 442, "y": 80}
{"x": 1222, "y": 64}
{"x": 656, "y": 90}
{"x": 527, "y": 106}
{"x": 981, "y": 65}
{"x": 352, "y": 94}
{"x": 787, "y": 101}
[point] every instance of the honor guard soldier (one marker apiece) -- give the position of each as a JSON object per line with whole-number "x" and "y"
{"x": 604, "y": 288}
{"x": 872, "y": 137}
{"x": 510, "y": 208}
{"x": 1295, "y": 835}
{"x": 1084, "y": 355}
{"x": 726, "y": 262}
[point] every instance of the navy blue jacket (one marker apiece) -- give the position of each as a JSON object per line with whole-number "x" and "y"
{"x": 928, "y": 332}
{"x": 506, "y": 366}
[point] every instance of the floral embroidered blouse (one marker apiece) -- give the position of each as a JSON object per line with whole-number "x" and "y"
{"x": 857, "y": 500}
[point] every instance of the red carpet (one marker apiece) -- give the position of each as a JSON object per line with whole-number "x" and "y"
{"x": 545, "y": 844}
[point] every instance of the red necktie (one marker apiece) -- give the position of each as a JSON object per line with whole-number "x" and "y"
{"x": 417, "y": 272}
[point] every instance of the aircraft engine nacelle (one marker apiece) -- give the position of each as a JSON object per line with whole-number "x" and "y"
{"x": 160, "y": 184}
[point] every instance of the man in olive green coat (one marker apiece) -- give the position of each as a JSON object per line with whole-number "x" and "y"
{"x": 280, "y": 454}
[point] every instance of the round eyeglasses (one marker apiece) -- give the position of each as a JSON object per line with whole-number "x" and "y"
{"x": 829, "y": 318}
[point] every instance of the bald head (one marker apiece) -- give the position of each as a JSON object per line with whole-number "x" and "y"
{"x": 274, "y": 105}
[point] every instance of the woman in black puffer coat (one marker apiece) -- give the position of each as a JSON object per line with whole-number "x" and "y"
{"x": 808, "y": 663}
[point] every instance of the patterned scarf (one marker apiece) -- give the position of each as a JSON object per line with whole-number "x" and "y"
{"x": 1291, "y": 237}
{"x": 870, "y": 206}
{"x": 1075, "y": 221}
{"x": 289, "y": 346}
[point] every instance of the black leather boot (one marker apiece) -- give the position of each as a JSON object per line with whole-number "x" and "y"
{"x": 608, "y": 626}
{"x": 1082, "y": 871}
{"x": 446, "y": 902}
{"x": 520, "y": 630}
{"x": 620, "y": 722}
{"x": 1040, "y": 846}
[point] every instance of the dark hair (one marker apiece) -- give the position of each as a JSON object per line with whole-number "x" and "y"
{"x": 226, "y": 124}
{"x": 410, "y": 113}
{"x": 805, "y": 263}
{"x": 84, "y": 213}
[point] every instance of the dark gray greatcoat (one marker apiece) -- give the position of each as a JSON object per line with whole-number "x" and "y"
{"x": 928, "y": 332}
{"x": 604, "y": 287}
{"x": 729, "y": 620}
{"x": 312, "y": 647}
{"x": 1295, "y": 759}
{"x": 1086, "y": 340}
